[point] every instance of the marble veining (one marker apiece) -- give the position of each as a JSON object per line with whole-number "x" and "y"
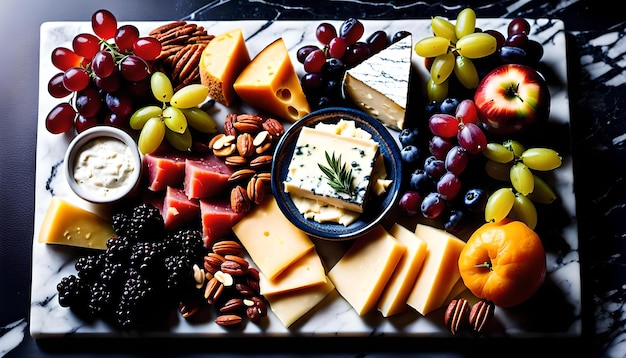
{"x": 334, "y": 316}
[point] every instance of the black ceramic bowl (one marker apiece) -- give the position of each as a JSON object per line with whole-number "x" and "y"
{"x": 376, "y": 209}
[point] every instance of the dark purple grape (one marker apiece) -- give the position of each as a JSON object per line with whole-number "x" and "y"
{"x": 433, "y": 205}
{"x": 409, "y": 136}
{"x": 434, "y": 167}
{"x": 377, "y": 41}
{"x": 115, "y": 120}
{"x": 449, "y": 186}
{"x": 111, "y": 83}
{"x": 420, "y": 181}
{"x": 351, "y": 30}
{"x": 534, "y": 51}
{"x": 83, "y": 123}
{"x": 510, "y": 54}
{"x": 517, "y": 40}
{"x": 88, "y": 102}
{"x": 399, "y": 36}
{"x": 312, "y": 83}
{"x": 325, "y": 32}
{"x": 356, "y": 53}
{"x": 119, "y": 103}
{"x": 134, "y": 68}
{"x": 304, "y": 51}
{"x": 333, "y": 68}
{"x": 439, "y": 146}
{"x": 410, "y": 202}
{"x": 456, "y": 160}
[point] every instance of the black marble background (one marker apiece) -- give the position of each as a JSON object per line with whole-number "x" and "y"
{"x": 596, "y": 67}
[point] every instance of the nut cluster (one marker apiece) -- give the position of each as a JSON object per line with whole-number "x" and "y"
{"x": 459, "y": 316}
{"x": 230, "y": 284}
{"x": 182, "y": 45}
{"x": 247, "y": 144}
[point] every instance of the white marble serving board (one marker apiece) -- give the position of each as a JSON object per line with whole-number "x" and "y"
{"x": 334, "y": 316}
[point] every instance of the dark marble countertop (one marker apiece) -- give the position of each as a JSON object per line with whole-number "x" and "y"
{"x": 597, "y": 95}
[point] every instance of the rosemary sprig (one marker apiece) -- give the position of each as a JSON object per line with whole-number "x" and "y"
{"x": 339, "y": 178}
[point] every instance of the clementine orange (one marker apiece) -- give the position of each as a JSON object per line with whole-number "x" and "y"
{"x": 504, "y": 262}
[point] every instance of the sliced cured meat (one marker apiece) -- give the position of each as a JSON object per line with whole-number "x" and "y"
{"x": 165, "y": 169}
{"x": 178, "y": 209}
{"x": 206, "y": 176}
{"x": 218, "y": 219}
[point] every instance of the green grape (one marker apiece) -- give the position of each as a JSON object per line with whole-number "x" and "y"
{"x": 432, "y": 46}
{"x": 180, "y": 141}
{"x": 200, "y": 120}
{"x": 498, "y": 171}
{"x": 498, "y": 153}
{"x": 543, "y": 193}
{"x": 161, "y": 87}
{"x": 465, "y": 23}
{"x": 436, "y": 91}
{"x": 514, "y": 146}
{"x": 465, "y": 71}
{"x": 190, "y": 96}
{"x": 476, "y": 45}
{"x": 524, "y": 210}
{"x": 443, "y": 28}
{"x": 175, "y": 119}
{"x": 141, "y": 116}
{"x": 499, "y": 204}
{"x": 151, "y": 135}
{"x": 541, "y": 158}
{"x": 522, "y": 178}
{"x": 442, "y": 67}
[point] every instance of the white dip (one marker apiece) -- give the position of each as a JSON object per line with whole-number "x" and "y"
{"x": 104, "y": 166}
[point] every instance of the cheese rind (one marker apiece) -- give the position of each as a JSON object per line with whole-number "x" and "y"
{"x": 271, "y": 83}
{"x": 222, "y": 60}
{"x": 393, "y": 299}
{"x": 380, "y": 84}
{"x": 362, "y": 273}
{"x": 271, "y": 240}
{"x": 291, "y": 306}
{"x": 306, "y": 272}
{"x": 67, "y": 224}
{"x": 306, "y": 179}
{"x": 440, "y": 271}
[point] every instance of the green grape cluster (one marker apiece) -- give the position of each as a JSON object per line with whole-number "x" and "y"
{"x": 512, "y": 162}
{"x": 173, "y": 120}
{"x": 452, "y": 48}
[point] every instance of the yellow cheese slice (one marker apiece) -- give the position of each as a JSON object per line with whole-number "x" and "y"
{"x": 362, "y": 272}
{"x": 393, "y": 299}
{"x": 291, "y": 306}
{"x": 271, "y": 240}
{"x": 306, "y": 272}
{"x": 440, "y": 270}
{"x": 67, "y": 224}
{"x": 270, "y": 83}
{"x": 223, "y": 59}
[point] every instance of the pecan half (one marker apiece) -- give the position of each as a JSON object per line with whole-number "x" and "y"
{"x": 481, "y": 314}
{"x": 457, "y": 315}
{"x": 227, "y": 247}
{"x": 239, "y": 201}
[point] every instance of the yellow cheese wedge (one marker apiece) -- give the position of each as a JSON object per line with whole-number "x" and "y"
{"x": 291, "y": 306}
{"x": 67, "y": 224}
{"x": 223, "y": 59}
{"x": 393, "y": 299}
{"x": 440, "y": 270}
{"x": 306, "y": 272}
{"x": 363, "y": 271}
{"x": 270, "y": 83}
{"x": 271, "y": 240}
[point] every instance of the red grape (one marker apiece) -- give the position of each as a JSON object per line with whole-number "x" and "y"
{"x": 56, "y": 87}
{"x": 312, "y": 82}
{"x": 115, "y": 120}
{"x": 147, "y": 48}
{"x": 103, "y": 64}
{"x": 434, "y": 167}
{"x": 125, "y": 37}
{"x": 351, "y": 30}
{"x": 518, "y": 25}
{"x": 88, "y": 102}
{"x": 304, "y": 51}
{"x": 325, "y": 32}
{"x": 466, "y": 111}
{"x": 449, "y": 186}
{"x": 410, "y": 202}
{"x": 472, "y": 138}
{"x": 111, "y": 83}
{"x": 377, "y": 41}
{"x": 439, "y": 146}
{"x": 104, "y": 24}
{"x": 63, "y": 58}
{"x": 86, "y": 45}
{"x": 356, "y": 53}
{"x": 119, "y": 103}
{"x": 433, "y": 205}
{"x": 76, "y": 79}
{"x": 456, "y": 160}
{"x": 337, "y": 47}
{"x": 500, "y": 39}
{"x": 517, "y": 40}
{"x": 61, "y": 118}
{"x": 133, "y": 68}
{"x": 314, "y": 61}
{"x": 83, "y": 123}
{"x": 443, "y": 125}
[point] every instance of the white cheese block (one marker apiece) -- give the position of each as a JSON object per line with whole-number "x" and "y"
{"x": 380, "y": 84}
{"x": 306, "y": 179}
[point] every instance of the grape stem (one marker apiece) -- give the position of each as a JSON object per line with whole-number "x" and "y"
{"x": 485, "y": 264}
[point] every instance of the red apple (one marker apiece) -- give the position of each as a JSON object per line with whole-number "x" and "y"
{"x": 511, "y": 98}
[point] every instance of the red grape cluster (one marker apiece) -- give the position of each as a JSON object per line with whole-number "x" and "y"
{"x": 341, "y": 49}
{"x": 456, "y": 139}
{"x": 517, "y": 46}
{"x": 107, "y": 73}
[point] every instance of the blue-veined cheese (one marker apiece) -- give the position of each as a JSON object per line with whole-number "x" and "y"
{"x": 306, "y": 179}
{"x": 380, "y": 84}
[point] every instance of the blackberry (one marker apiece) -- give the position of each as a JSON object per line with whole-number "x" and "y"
{"x": 73, "y": 292}
{"x": 147, "y": 258}
{"x": 88, "y": 267}
{"x": 188, "y": 243}
{"x": 121, "y": 223}
{"x": 179, "y": 276}
{"x": 146, "y": 222}
{"x": 118, "y": 249}
{"x": 100, "y": 299}
{"x": 137, "y": 303}
{"x": 112, "y": 274}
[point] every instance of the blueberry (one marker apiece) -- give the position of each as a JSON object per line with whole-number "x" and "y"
{"x": 410, "y": 154}
{"x": 448, "y": 105}
{"x": 511, "y": 54}
{"x": 409, "y": 136}
{"x": 455, "y": 221}
{"x": 432, "y": 108}
{"x": 475, "y": 200}
{"x": 420, "y": 181}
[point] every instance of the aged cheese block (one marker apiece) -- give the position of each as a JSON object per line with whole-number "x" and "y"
{"x": 393, "y": 299}
{"x": 380, "y": 84}
{"x": 306, "y": 272}
{"x": 364, "y": 270}
{"x": 306, "y": 179}
{"x": 271, "y": 240}
{"x": 68, "y": 224}
{"x": 291, "y": 306}
{"x": 223, "y": 59}
{"x": 440, "y": 271}
{"x": 270, "y": 83}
